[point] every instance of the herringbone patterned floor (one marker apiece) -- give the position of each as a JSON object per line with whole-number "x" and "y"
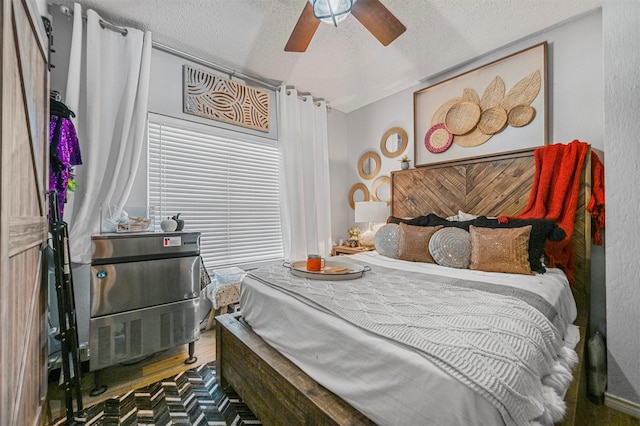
{"x": 189, "y": 398}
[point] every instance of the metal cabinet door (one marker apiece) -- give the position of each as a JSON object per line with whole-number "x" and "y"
{"x": 128, "y": 286}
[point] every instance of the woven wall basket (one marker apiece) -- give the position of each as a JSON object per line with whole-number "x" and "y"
{"x": 462, "y": 117}
{"x": 521, "y": 115}
{"x": 492, "y": 120}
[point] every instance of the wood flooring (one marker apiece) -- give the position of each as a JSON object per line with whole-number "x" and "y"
{"x": 121, "y": 379}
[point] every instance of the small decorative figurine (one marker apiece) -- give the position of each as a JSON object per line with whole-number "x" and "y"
{"x": 179, "y": 221}
{"x": 354, "y": 236}
{"x": 168, "y": 225}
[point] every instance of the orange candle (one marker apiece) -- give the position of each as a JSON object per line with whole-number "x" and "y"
{"x": 315, "y": 263}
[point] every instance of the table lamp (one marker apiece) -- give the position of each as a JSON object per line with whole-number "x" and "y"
{"x": 370, "y": 212}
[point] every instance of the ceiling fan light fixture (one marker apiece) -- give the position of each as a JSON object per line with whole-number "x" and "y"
{"x": 331, "y": 11}
{"x": 372, "y": 14}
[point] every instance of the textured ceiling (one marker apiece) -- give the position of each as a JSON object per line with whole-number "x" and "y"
{"x": 346, "y": 65}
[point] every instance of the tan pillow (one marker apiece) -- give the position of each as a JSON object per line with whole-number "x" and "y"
{"x": 413, "y": 242}
{"x": 500, "y": 249}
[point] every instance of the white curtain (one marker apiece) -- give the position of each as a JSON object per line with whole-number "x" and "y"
{"x": 304, "y": 179}
{"x": 109, "y": 85}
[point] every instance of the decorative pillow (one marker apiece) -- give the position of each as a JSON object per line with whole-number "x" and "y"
{"x": 386, "y": 240}
{"x": 451, "y": 247}
{"x": 416, "y": 221}
{"x": 462, "y": 216}
{"x": 500, "y": 250}
{"x": 431, "y": 220}
{"x": 541, "y": 231}
{"x": 413, "y": 242}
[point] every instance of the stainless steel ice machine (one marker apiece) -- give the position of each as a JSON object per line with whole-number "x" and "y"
{"x": 144, "y": 295}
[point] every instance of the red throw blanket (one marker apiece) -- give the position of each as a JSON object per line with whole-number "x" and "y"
{"x": 554, "y": 196}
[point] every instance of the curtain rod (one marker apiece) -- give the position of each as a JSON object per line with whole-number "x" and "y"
{"x": 109, "y": 25}
{"x": 306, "y": 95}
{"x": 104, "y": 24}
{"x": 67, "y": 11}
{"x": 229, "y": 71}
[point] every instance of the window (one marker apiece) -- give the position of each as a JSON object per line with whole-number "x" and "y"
{"x": 224, "y": 184}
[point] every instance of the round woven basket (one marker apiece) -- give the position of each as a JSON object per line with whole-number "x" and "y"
{"x": 521, "y": 115}
{"x": 462, "y": 117}
{"x": 492, "y": 120}
{"x": 471, "y": 139}
{"x": 441, "y": 112}
{"x": 438, "y": 139}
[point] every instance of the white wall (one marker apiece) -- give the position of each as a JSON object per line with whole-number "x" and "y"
{"x": 621, "y": 42}
{"x": 364, "y": 130}
{"x": 62, "y": 27}
{"x": 339, "y": 161}
{"x": 575, "y": 98}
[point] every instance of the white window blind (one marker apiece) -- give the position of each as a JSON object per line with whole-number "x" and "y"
{"x": 225, "y": 184}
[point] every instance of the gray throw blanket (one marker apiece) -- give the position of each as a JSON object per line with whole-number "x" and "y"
{"x": 498, "y": 345}
{"x": 533, "y": 299}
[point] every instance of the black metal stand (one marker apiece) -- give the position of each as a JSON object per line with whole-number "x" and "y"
{"x": 98, "y": 389}
{"x": 191, "y": 359}
{"x": 68, "y": 334}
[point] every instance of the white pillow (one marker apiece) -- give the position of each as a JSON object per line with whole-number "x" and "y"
{"x": 461, "y": 217}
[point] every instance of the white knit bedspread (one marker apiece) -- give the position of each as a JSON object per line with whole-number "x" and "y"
{"x": 498, "y": 345}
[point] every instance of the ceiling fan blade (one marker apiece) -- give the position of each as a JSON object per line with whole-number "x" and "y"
{"x": 303, "y": 31}
{"x": 378, "y": 20}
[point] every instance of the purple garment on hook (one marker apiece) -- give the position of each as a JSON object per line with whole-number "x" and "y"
{"x": 64, "y": 154}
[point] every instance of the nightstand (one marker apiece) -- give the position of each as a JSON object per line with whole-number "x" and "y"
{"x": 340, "y": 250}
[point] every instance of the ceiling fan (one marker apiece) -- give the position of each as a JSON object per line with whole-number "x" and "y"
{"x": 375, "y": 17}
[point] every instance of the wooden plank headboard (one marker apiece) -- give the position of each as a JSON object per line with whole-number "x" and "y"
{"x": 492, "y": 186}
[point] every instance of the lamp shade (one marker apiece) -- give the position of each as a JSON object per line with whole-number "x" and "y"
{"x": 371, "y": 211}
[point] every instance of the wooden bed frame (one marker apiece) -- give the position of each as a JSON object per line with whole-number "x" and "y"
{"x": 279, "y": 393}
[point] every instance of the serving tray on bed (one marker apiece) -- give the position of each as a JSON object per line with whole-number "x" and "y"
{"x": 332, "y": 270}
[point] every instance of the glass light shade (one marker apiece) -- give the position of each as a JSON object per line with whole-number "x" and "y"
{"x": 331, "y": 11}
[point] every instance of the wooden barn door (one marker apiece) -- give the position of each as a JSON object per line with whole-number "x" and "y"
{"x": 24, "y": 83}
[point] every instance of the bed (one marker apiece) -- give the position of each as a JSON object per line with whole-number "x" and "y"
{"x": 285, "y": 377}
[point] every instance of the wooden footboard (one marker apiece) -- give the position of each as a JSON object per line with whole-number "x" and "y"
{"x": 275, "y": 389}
{"x": 279, "y": 393}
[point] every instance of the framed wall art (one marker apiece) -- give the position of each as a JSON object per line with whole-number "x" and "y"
{"x": 210, "y": 96}
{"x": 498, "y": 107}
